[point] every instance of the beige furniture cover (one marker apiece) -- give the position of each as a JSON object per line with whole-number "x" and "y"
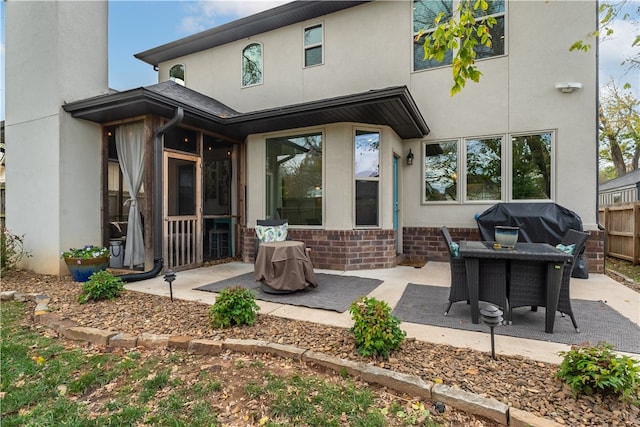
{"x": 284, "y": 266}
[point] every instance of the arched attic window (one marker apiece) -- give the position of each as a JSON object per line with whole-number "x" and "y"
{"x": 176, "y": 74}
{"x": 252, "y": 65}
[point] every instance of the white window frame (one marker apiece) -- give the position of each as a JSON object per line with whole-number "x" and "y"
{"x": 429, "y": 30}
{"x": 320, "y": 44}
{"x": 506, "y": 169}
{"x": 261, "y": 65}
{"x": 182, "y": 82}
{"x": 377, "y": 179}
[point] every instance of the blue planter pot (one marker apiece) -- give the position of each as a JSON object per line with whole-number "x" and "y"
{"x": 82, "y": 269}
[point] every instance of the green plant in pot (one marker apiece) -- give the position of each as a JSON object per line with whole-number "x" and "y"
{"x": 83, "y": 262}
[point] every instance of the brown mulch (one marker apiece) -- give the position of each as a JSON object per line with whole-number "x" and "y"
{"x": 516, "y": 381}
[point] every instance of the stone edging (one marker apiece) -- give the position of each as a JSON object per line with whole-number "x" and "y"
{"x": 471, "y": 403}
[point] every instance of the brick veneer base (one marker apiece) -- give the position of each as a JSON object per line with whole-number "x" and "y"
{"x": 370, "y": 249}
{"x": 338, "y": 249}
{"x": 426, "y": 243}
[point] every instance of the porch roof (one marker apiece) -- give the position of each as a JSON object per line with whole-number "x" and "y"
{"x": 393, "y": 106}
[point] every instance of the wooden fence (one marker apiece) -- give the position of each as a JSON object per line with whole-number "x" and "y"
{"x": 622, "y": 228}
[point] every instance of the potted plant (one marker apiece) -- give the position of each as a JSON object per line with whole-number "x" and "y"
{"x": 83, "y": 262}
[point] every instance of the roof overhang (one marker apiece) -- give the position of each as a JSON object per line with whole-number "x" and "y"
{"x": 393, "y": 107}
{"x": 287, "y": 14}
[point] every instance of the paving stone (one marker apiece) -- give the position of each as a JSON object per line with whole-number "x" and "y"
{"x": 123, "y": 340}
{"x": 179, "y": 341}
{"x": 204, "y": 346}
{"x": 334, "y": 363}
{"x": 520, "y": 418}
{"x": 41, "y": 309}
{"x": 471, "y": 403}
{"x": 153, "y": 340}
{"x": 55, "y": 321}
{"x": 286, "y": 351}
{"x": 7, "y": 295}
{"x": 409, "y": 384}
{"x": 246, "y": 346}
{"x": 92, "y": 335}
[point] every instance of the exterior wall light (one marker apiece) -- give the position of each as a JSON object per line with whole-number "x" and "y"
{"x": 410, "y": 158}
{"x": 568, "y": 87}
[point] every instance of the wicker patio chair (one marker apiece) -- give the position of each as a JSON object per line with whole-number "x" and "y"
{"x": 492, "y": 283}
{"x": 458, "y": 290}
{"x": 527, "y": 280}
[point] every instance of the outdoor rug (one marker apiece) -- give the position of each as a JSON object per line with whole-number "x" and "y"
{"x": 596, "y": 320}
{"x": 334, "y": 292}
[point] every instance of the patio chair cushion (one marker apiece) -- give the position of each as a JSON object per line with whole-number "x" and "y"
{"x": 568, "y": 249}
{"x": 272, "y": 233}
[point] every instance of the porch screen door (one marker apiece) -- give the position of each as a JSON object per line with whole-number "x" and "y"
{"x": 130, "y": 146}
{"x": 183, "y": 213}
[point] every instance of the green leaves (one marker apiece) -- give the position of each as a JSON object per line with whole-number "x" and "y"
{"x": 101, "y": 285}
{"x": 234, "y": 306}
{"x": 597, "y": 369}
{"x": 375, "y": 330}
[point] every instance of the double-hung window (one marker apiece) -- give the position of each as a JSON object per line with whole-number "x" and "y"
{"x": 313, "y": 45}
{"x": 252, "y": 65}
{"x": 367, "y": 177}
{"x": 497, "y": 168}
{"x": 425, "y": 13}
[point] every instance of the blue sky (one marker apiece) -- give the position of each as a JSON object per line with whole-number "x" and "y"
{"x": 135, "y": 26}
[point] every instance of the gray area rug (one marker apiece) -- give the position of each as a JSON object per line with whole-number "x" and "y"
{"x": 597, "y": 321}
{"x": 334, "y": 292}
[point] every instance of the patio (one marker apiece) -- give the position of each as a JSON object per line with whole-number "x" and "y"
{"x": 598, "y": 287}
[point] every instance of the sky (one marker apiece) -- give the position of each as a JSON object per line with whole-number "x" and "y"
{"x": 135, "y": 26}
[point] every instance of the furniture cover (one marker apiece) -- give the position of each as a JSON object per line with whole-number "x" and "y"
{"x": 538, "y": 222}
{"x": 284, "y": 266}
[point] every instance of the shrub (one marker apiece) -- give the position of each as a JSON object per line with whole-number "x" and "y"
{"x": 101, "y": 285}
{"x": 376, "y": 331}
{"x": 234, "y": 306}
{"x": 11, "y": 250}
{"x": 597, "y": 369}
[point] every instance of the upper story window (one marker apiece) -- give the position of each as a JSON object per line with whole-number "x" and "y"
{"x": 252, "y": 65}
{"x": 426, "y": 11}
{"x": 367, "y": 177}
{"x": 313, "y": 45}
{"x": 176, "y": 74}
{"x": 482, "y": 169}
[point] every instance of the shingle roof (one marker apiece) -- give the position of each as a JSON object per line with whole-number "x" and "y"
{"x": 393, "y": 106}
{"x": 631, "y": 178}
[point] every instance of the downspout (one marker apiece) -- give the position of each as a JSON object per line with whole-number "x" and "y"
{"x": 157, "y": 201}
{"x": 600, "y": 226}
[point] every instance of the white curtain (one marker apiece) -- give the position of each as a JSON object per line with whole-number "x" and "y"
{"x": 130, "y": 146}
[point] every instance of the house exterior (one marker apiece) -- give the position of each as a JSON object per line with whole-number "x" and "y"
{"x": 322, "y": 113}
{"x": 624, "y": 189}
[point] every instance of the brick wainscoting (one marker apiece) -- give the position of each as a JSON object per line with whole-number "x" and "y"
{"x": 337, "y": 249}
{"x": 369, "y": 249}
{"x": 426, "y": 243}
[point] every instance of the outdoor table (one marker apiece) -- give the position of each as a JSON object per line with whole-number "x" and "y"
{"x": 284, "y": 266}
{"x": 474, "y": 252}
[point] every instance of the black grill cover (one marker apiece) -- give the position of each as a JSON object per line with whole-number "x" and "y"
{"x": 538, "y": 222}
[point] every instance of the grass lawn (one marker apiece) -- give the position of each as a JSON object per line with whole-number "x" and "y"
{"x": 624, "y": 267}
{"x": 49, "y": 382}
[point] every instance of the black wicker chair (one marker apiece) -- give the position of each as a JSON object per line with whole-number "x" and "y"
{"x": 458, "y": 290}
{"x": 493, "y": 282}
{"x": 526, "y": 280}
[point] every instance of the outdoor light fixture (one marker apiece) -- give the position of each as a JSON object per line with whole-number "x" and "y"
{"x": 568, "y": 87}
{"x": 170, "y": 276}
{"x": 492, "y": 316}
{"x": 410, "y": 158}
